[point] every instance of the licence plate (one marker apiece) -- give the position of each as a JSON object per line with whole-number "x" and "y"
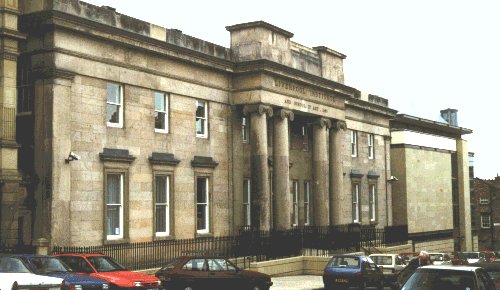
{"x": 341, "y": 280}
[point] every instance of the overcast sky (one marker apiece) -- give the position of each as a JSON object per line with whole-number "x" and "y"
{"x": 423, "y": 56}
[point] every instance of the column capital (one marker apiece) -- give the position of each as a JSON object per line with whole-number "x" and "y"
{"x": 258, "y": 108}
{"x": 284, "y": 113}
{"x": 322, "y": 122}
{"x": 338, "y": 125}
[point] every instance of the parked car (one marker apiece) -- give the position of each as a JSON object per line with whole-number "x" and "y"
{"x": 493, "y": 269}
{"x": 440, "y": 258}
{"x": 14, "y": 274}
{"x": 54, "y": 267}
{"x": 391, "y": 265}
{"x": 344, "y": 271}
{"x": 105, "y": 268}
{"x": 407, "y": 256}
{"x": 187, "y": 273}
{"x": 472, "y": 257}
{"x": 449, "y": 277}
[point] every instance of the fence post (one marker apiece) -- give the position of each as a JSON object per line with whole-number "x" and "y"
{"x": 41, "y": 246}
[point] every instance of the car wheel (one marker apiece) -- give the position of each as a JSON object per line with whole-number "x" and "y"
{"x": 258, "y": 287}
{"x": 188, "y": 287}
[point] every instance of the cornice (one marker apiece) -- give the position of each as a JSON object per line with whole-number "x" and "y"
{"x": 14, "y": 34}
{"x": 410, "y": 146}
{"x": 52, "y": 73}
{"x": 374, "y": 108}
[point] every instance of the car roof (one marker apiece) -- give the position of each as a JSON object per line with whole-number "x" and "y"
{"x": 383, "y": 255}
{"x": 486, "y": 265}
{"x": 451, "y": 267}
{"x": 80, "y": 255}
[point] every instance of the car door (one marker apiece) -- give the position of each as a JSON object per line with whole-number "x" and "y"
{"x": 222, "y": 275}
{"x": 374, "y": 273}
{"x": 194, "y": 274}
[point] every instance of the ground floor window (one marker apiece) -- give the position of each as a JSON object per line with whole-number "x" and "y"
{"x": 162, "y": 205}
{"x": 295, "y": 202}
{"x": 246, "y": 202}
{"x": 114, "y": 206}
{"x": 485, "y": 221}
{"x": 355, "y": 203}
{"x": 202, "y": 205}
{"x": 372, "y": 200}
{"x": 307, "y": 203}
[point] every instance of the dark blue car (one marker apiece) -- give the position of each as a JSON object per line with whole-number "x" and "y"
{"x": 54, "y": 267}
{"x": 345, "y": 271}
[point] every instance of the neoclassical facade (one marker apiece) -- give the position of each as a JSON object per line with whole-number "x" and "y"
{"x": 133, "y": 132}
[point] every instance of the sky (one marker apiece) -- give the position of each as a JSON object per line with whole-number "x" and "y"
{"x": 423, "y": 56}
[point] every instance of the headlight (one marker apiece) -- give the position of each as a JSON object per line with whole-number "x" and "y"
{"x": 105, "y": 286}
{"x": 137, "y": 284}
{"x": 78, "y": 287}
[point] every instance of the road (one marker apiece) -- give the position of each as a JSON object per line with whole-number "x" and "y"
{"x": 303, "y": 282}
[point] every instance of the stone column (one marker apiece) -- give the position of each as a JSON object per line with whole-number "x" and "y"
{"x": 261, "y": 194}
{"x": 336, "y": 171}
{"x": 464, "y": 196}
{"x": 281, "y": 171}
{"x": 320, "y": 173}
{"x": 10, "y": 191}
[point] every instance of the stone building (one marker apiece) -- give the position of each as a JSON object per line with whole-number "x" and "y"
{"x": 128, "y": 132}
{"x": 488, "y": 209}
{"x": 431, "y": 188}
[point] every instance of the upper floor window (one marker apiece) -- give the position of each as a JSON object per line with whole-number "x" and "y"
{"x": 161, "y": 112}
{"x": 354, "y": 143}
{"x": 244, "y": 129}
{"x": 162, "y": 205}
{"x": 295, "y": 203}
{"x": 355, "y": 203}
{"x": 114, "y": 105}
{"x": 485, "y": 221}
{"x": 372, "y": 200}
{"x": 202, "y": 205}
{"x": 484, "y": 200}
{"x": 371, "y": 150}
{"x": 305, "y": 138}
{"x": 307, "y": 203}
{"x": 114, "y": 206}
{"x": 246, "y": 202}
{"x": 201, "y": 119}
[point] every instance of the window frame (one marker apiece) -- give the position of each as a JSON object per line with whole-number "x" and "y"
{"x": 244, "y": 129}
{"x": 120, "y": 106}
{"x": 204, "y": 134}
{"x": 247, "y": 208}
{"x": 307, "y": 203}
{"x": 295, "y": 203}
{"x": 166, "y": 99}
{"x": 305, "y": 138}
{"x": 122, "y": 211}
{"x": 484, "y": 200}
{"x": 371, "y": 147}
{"x": 372, "y": 201}
{"x": 354, "y": 143}
{"x": 485, "y": 223}
{"x": 207, "y": 204}
{"x": 167, "y": 204}
{"x": 356, "y": 204}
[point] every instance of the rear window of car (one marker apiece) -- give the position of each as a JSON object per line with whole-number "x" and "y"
{"x": 344, "y": 262}
{"x": 427, "y": 279}
{"x": 382, "y": 260}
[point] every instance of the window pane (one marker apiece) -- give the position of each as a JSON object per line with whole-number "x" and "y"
{"x": 161, "y": 189}
{"x": 114, "y": 189}
{"x": 201, "y": 190}
{"x": 112, "y": 113}
{"x": 160, "y": 120}
{"x": 200, "y": 126}
{"x": 246, "y": 183}
{"x": 201, "y": 215}
{"x": 160, "y": 102}
{"x": 113, "y": 220}
{"x": 200, "y": 109}
{"x": 113, "y": 93}
{"x": 161, "y": 218}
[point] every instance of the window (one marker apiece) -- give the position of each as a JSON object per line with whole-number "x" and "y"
{"x": 355, "y": 203}
{"x": 114, "y": 105}
{"x": 370, "y": 146}
{"x": 246, "y": 202}
{"x": 372, "y": 200}
{"x": 161, "y": 112}
{"x": 484, "y": 200}
{"x": 307, "y": 203}
{"x": 244, "y": 130}
{"x": 485, "y": 221}
{"x": 354, "y": 143}
{"x": 114, "y": 206}
{"x": 202, "y": 203}
{"x": 201, "y": 119}
{"x": 162, "y": 205}
{"x": 305, "y": 138}
{"x": 295, "y": 202}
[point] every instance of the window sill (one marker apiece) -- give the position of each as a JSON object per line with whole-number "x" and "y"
{"x": 116, "y": 242}
{"x": 163, "y": 238}
{"x": 204, "y": 235}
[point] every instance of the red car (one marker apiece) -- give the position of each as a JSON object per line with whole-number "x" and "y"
{"x": 105, "y": 268}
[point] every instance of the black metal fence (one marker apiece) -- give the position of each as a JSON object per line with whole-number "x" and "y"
{"x": 249, "y": 245}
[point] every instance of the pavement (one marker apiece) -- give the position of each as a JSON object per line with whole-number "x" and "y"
{"x": 302, "y": 282}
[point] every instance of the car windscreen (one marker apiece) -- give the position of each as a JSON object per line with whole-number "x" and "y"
{"x": 344, "y": 262}
{"x": 12, "y": 265}
{"x": 105, "y": 264}
{"x": 382, "y": 260}
{"x": 172, "y": 264}
{"x": 45, "y": 265}
{"x": 430, "y": 279}
{"x": 436, "y": 257}
{"x": 494, "y": 274}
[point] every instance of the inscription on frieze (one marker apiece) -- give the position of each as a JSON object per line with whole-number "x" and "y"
{"x": 307, "y": 92}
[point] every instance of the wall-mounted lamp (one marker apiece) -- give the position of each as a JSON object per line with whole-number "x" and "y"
{"x": 71, "y": 157}
{"x": 392, "y": 178}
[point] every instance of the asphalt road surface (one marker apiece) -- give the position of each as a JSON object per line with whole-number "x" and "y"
{"x": 303, "y": 282}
